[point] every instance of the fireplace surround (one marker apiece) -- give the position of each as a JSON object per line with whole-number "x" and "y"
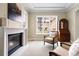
{"x": 4, "y": 33}
{"x": 15, "y": 40}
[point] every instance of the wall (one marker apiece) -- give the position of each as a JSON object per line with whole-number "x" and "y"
{"x": 25, "y": 16}
{"x": 1, "y": 42}
{"x": 32, "y": 23}
{"x": 25, "y": 24}
{"x": 3, "y": 13}
{"x": 71, "y": 16}
{"x": 3, "y": 10}
{"x": 77, "y": 24}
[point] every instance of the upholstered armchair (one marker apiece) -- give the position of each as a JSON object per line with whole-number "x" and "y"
{"x": 52, "y": 39}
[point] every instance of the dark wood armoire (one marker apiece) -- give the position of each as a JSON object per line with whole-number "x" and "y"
{"x": 64, "y": 33}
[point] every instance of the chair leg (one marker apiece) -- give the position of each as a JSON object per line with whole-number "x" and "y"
{"x": 60, "y": 44}
{"x": 53, "y": 45}
{"x": 57, "y": 43}
{"x": 44, "y": 42}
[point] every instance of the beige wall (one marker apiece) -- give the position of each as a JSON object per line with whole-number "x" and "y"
{"x": 77, "y": 24}
{"x": 1, "y": 41}
{"x": 3, "y": 13}
{"x": 71, "y": 15}
{"x": 25, "y": 24}
{"x": 3, "y": 10}
{"x": 32, "y": 23}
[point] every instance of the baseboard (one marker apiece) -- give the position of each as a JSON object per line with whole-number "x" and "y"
{"x": 35, "y": 39}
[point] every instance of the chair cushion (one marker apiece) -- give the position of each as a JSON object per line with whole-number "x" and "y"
{"x": 61, "y": 51}
{"x": 74, "y": 49}
{"x": 49, "y": 38}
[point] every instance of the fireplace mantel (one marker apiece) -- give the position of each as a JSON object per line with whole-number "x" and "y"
{"x": 4, "y": 32}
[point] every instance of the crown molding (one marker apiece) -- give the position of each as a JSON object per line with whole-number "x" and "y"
{"x": 72, "y": 6}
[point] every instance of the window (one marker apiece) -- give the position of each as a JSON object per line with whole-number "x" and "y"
{"x": 46, "y": 24}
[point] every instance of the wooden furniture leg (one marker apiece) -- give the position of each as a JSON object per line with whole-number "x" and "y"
{"x": 60, "y": 44}
{"x": 57, "y": 43}
{"x": 53, "y": 45}
{"x": 44, "y": 40}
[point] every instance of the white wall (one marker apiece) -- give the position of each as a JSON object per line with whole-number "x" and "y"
{"x": 77, "y": 24}
{"x": 71, "y": 16}
{"x": 25, "y": 13}
{"x": 32, "y": 23}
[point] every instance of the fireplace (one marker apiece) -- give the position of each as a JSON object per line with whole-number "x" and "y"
{"x": 14, "y": 42}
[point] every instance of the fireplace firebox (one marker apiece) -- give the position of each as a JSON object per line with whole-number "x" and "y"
{"x": 14, "y": 42}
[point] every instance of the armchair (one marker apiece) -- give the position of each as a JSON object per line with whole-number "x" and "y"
{"x": 52, "y": 39}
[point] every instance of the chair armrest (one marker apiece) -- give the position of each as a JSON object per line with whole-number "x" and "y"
{"x": 55, "y": 39}
{"x": 53, "y": 54}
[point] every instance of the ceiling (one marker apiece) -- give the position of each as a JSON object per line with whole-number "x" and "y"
{"x": 46, "y": 7}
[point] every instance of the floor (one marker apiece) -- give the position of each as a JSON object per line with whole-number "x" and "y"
{"x": 34, "y": 48}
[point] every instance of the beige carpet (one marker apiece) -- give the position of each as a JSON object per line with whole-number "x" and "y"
{"x": 34, "y": 48}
